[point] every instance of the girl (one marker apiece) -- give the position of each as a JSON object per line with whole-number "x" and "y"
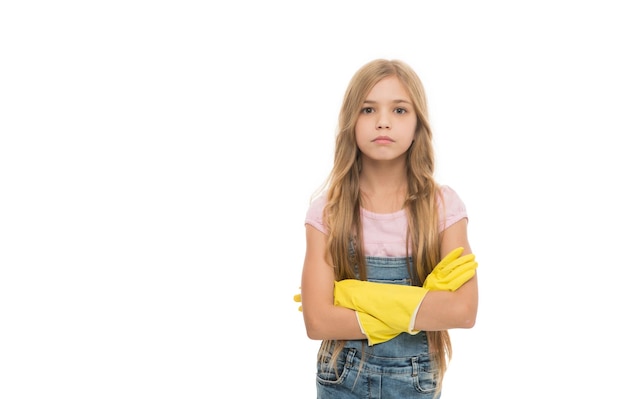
{"x": 372, "y": 240}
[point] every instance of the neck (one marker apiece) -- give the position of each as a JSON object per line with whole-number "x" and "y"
{"x": 383, "y": 189}
{"x": 382, "y": 176}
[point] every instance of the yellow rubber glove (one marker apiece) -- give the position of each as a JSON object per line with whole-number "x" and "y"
{"x": 395, "y": 306}
{"x": 298, "y": 298}
{"x": 451, "y": 272}
{"x": 375, "y": 330}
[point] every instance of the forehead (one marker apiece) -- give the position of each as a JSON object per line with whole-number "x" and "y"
{"x": 389, "y": 87}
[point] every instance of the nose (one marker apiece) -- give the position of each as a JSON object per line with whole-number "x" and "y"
{"x": 383, "y": 121}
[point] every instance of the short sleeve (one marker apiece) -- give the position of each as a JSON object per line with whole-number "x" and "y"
{"x": 451, "y": 208}
{"x": 314, "y": 215}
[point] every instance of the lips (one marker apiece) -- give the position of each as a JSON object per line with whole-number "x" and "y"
{"x": 383, "y": 140}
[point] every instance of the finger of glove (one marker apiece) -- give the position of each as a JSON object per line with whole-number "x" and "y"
{"x": 455, "y": 283}
{"x": 461, "y": 279}
{"x": 458, "y": 269}
{"x": 298, "y": 298}
{"x": 445, "y": 269}
{"x": 452, "y": 255}
{"x": 447, "y": 272}
{"x": 453, "y": 278}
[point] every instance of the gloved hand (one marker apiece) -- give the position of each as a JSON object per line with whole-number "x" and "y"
{"x": 375, "y": 330}
{"x": 396, "y": 305}
{"x": 298, "y": 298}
{"x": 392, "y": 304}
{"x": 451, "y": 272}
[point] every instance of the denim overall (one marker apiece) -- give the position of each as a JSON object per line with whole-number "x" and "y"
{"x": 398, "y": 368}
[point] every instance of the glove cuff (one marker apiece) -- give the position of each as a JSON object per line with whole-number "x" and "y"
{"x": 411, "y": 326}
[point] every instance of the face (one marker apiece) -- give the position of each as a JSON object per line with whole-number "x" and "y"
{"x": 387, "y": 121}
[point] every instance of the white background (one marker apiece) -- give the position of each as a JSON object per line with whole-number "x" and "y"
{"x": 157, "y": 159}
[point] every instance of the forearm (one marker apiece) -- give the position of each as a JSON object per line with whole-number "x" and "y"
{"x": 322, "y": 319}
{"x": 443, "y": 310}
{"x": 331, "y": 322}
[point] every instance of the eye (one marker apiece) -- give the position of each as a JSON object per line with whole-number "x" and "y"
{"x": 367, "y": 110}
{"x": 400, "y": 111}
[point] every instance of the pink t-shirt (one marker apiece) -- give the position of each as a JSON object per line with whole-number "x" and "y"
{"x": 384, "y": 234}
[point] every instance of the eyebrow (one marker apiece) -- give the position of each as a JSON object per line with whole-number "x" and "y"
{"x": 399, "y": 101}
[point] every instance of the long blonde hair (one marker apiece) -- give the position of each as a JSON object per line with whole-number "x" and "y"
{"x": 342, "y": 211}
